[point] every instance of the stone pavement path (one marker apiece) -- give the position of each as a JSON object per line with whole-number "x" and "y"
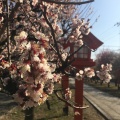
{"x": 6, "y": 104}
{"x": 108, "y": 105}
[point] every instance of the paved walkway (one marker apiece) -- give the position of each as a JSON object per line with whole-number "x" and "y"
{"x": 108, "y": 105}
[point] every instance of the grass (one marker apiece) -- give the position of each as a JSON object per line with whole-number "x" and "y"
{"x": 112, "y": 90}
{"x": 42, "y": 112}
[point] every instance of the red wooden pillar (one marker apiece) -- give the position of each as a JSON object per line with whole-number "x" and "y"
{"x": 65, "y": 85}
{"x": 78, "y": 99}
{"x": 65, "y": 82}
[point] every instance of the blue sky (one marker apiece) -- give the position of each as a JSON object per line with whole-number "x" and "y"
{"x": 105, "y": 28}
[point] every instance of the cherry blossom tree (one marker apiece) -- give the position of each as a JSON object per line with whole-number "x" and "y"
{"x": 104, "y": 73}
{"x": 33, "y": 33}
{"x": 105, "y": 57}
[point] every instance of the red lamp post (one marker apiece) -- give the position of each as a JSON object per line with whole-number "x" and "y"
{"x": 78, "y": 113}
{"x": 82, "y": 60}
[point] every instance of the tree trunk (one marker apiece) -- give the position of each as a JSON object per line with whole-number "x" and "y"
{"x": 48, "y": 104}
{"x": 109, "y": 85}
{"x": 29, "y": 114}
{"x": 101, "y": 83}
{"x": 96, "y": 81}
{"x": 118, "y": 86}
{"x": 65, "y": 110}
{"x": 116, "y": 82}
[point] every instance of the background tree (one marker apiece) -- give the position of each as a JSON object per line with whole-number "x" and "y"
{"x": 116, "y": 70}
{"x": 106, "y": 56}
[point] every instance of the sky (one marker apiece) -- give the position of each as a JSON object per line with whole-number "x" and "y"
{"x": 106, "y": 28}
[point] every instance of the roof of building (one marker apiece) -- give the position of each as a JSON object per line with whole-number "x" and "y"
{"x": 91, "y": 41}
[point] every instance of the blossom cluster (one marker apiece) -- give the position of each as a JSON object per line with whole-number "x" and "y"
{"x": 68, "y": 94}
{"x": 80, "y": 75}
{"x": 88, "y": 72}
{"x": 81, "y": 27}
{"x": 35, "y": 72}
{"x": 104, "y": 73}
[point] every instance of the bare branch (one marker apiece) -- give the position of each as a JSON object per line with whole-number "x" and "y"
{"x": 74, "y": 52}
{"x": 68, "y": 3}
{"x": 53, "y": 35}
{"x": 8, "y": 28}
{"x": 53, "y": 48}
{"x": 90, "y": 48}
{"x": 10, "y": 16}
{"x": 69, "y": 104}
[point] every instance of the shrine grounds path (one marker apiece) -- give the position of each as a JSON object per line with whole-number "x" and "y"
{"x": 107, "y": 105}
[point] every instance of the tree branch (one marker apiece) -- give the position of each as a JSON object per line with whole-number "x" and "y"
{"x": 68, "y": 103}
{"x": 74, "y": 52}
{"x": 53, "y": 35}
{"x": 2, "y": 31}
{"x": 68, "y": 3}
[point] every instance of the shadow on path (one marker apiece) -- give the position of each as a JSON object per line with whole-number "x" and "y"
{"x": 6, "y": 104}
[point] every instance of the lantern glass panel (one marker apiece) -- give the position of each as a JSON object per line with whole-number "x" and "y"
{"x": 82, "y": 53}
